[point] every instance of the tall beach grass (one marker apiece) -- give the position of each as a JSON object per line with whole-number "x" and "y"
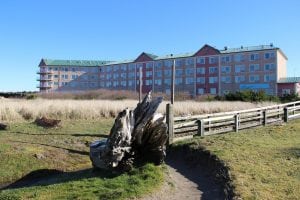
{"x": 21, "y": 109}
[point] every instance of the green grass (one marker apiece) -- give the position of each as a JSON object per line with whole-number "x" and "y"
{"x": 264, "y": 162}
{"x": 66, "y": 149}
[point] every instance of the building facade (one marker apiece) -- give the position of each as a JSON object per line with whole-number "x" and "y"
{"x": 207, "y": 71}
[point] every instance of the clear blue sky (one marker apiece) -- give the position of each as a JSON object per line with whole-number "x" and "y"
{"x": 118, "y": 29}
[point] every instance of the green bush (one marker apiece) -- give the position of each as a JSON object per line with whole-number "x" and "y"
{"x": 290, "y": 97}
{"x": 248, "y": 96}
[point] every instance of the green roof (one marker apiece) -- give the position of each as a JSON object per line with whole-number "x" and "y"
{"x": 251, "y": 48}
{"x": 289, "y": 80}
{"x": 154, "y": 57}
{"x": 169, "y": 56}
{"x": 87, "y": 63}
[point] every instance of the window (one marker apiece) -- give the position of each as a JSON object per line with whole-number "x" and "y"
{"x": 64, "y": 76}
{"x": 56, "y": 69}
{"x": 102, "y": 76}
{"x": 254, "y": 78}
{"x": 286, "y": 91}
{"x": 115, "y": 76}
{"x": 200, "y": 70}
{"x": 108, "y": 76}
{"x": 200, "y": 80}
{"x": 179, "y": 62}
{"x": 108, "y": 69}
{"x": 213, "y": 70}
{"x": 269, "y": 66}
{"x": 73, "y": 69}
{"x": 212, "y": 60}
{"x": 148, "y": 73}
{"x": 131, "y": 67}
{"x": 124, "y": 67}
{"x": 168, "y": 63}
{"x": 148, "y": 82}
{"x": 130, "y": 83}
{"x": 167, "y": 73}
{"x": 131, "y": 75}
{"x": 108, "y": 84}
{"x": 189, "y": 71}
{"x": 74, "y": 77}
{"x": 200, "y": 60}
{"x": 158, "y": 65}
{"x": 239, "y": 57}
{"x": 239, "y": 68}
{"x": 49, "y": 76}
{"x": 226, "y": 79}
{"x": 115, "y": 83}
{"x": 157, "y": 82}
{"x": 123, "y": 83}
{"x": 116, "y": 68}
{"x": 254, "y": 67}
{"x": 102, "y": 84}
{"x": 254, "y": 56}
{"x": 226, "y": 59}
{"x": 239, "y": 79}
{"x": 189, "y": 61}
{"x": 66, "y": 69}
{"x": 189, "y": 80}
{"x": 123, "y": 75}
{"x": 167, "y": 81}
{"x": 269, "y": 78}
{"x": 269, "y": 55}
{"x": 149, "y": 65}
{"x": 158, "y": 74}
{"x": 226, "y": 69}
{"x": 213, "y": 79}
{"x": 200, "y": 91}
{"x": 55, "y": 83}
{"x": 213, "y": 90}
{"x": 55, "y": 76}
{"x": 178, "y": 81}
{"x": 179, "y": 72}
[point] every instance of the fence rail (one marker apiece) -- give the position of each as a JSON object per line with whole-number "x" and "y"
{"x": 208, "y": 124}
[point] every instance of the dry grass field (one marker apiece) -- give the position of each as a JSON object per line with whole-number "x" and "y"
{"x": 22, "y": 109}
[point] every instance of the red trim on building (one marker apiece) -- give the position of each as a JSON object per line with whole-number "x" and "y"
{"x": 143, "y": 58}
{"x": 207, "y": 50}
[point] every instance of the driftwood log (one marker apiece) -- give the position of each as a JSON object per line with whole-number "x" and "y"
{"x": 137, "y": 135}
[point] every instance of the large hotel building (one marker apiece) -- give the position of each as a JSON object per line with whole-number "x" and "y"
{"x": 207, "y": 71}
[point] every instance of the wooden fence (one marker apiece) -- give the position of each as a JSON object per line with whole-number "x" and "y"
{"x": 208, "y": 124}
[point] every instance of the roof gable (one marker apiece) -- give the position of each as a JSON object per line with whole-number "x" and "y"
{"x": 42, "y": 63}
{"x": 145, "y": 57}
{"x": 207, "y": 50}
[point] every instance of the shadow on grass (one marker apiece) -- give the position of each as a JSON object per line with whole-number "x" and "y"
{"x": 57, "y": 147}
{"x": 293, "y": 152}
{"x": 45, "y": 177}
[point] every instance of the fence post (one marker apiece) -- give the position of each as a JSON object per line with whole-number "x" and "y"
{"x": 236, "y": 122}
{"x": 200, "y": 127}
{"x": 265, "y": 117}
{"x": 294, "y": 109}
{"x": 170, "y": 122}
{"x": 286, "y": 114}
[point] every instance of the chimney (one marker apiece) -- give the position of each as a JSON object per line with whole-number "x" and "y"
{"x": 225, "y": 48}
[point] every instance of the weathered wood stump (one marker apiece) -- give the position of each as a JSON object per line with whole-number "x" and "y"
{"x": 47, "y": 123}
{"x": 139, "y": 134}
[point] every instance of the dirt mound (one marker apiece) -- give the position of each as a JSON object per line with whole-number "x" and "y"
{"x": 47, "y": 123}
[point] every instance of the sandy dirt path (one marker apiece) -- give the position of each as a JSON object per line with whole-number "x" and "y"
{"x": 184, "y": 182}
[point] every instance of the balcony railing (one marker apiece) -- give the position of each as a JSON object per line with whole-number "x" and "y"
{"x": 43, "y": 86}
{"x": 43, "y": 71}
{"x": 43, "y": 79}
